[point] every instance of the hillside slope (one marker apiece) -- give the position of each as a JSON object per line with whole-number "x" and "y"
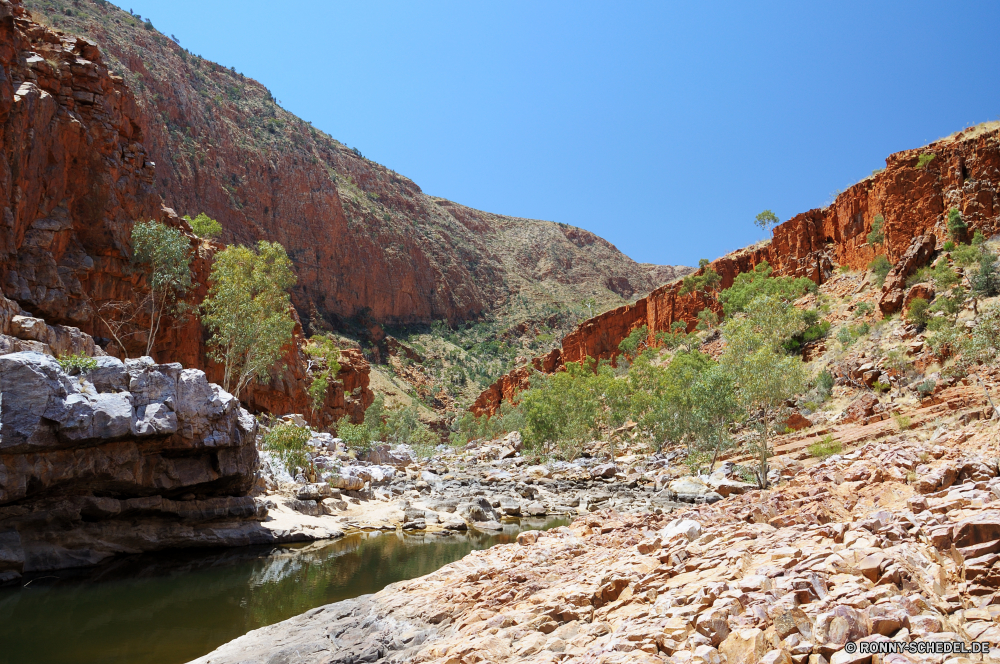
{"x": 912, "y": 193}
{"x": 364, "y": 239}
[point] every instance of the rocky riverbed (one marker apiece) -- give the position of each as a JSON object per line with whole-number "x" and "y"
{"x": 477, "y": 486}
{"x": 898, "y": 539}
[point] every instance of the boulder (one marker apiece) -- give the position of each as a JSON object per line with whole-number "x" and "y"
{"x": 691, "y": 529}
{"x": 922, "y": 290}
{"x": 310, "y": 507}
{"x": 347, "y": 482}
{"x": 692, "y": 490}
{"x": 915, "y": 256}
{"x": 538, "y": 471}
{"x": 744, "y": 646}
{"x": 477, "y": 510}
{"x": 535, "y": 508}
{"x": 860, "y": 408}
{"x": 383, "y": 455}
{"x": 95, "y": 461}
{"x": 509, "y": 506}
{"x": 979, "y": 529}
{"x": 797, "y": 421}
{"x": 316, "y": 492}
{"x": 604, "y": 470}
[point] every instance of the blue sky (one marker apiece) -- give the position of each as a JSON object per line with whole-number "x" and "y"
{"x": 663, "y": 127}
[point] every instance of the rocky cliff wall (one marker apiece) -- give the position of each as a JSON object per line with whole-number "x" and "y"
{"x": 128, "y": 457}
{"x": 964, "y": 173}
{"x": 75, "y": 175}
{"x": 365, "y": 241}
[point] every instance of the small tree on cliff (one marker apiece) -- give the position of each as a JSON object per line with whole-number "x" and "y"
{"x": 248, "y": 312}
{"x": 166, "y": 254}
{"x": 766, "y": 219}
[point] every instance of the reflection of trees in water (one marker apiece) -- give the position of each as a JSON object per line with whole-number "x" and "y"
{"x": 296, "y": 580}
{"x": 176, "y": 606}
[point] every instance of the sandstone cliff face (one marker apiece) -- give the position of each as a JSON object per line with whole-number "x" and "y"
{"x": 74, "y": 177}
{"x": 129, "y": 457}
{"x": 964, "y": 174}
{"x": 364, "y": 239}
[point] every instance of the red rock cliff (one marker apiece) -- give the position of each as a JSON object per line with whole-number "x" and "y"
{"x": 74, "y": 175}
{"x": 365, "y": 241}
{"x": 964, "y": 174}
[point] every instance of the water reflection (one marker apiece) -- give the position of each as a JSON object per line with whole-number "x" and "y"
{"x": 174, "y": 607}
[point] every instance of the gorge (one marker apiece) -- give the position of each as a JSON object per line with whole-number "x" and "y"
{"x": 466, "y": 487}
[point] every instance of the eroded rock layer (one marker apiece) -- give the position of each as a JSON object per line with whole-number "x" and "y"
{"x": 912, "y": 199}
{"x": 124, "y": 458}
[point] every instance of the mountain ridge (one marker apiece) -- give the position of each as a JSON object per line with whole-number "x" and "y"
{"x": 363, "y": 238}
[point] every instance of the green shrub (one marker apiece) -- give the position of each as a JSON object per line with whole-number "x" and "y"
{"x": 204, "y": 226}
{"x": 897, "y": 361}
{"x": 926, "y": 387}
{"x": 707, "y": 319}
{"x": 469, "y": 427}
{"x": 323, "y": 354}
{"x": 880, "y": 267}
{"x": 824, "y": 384}
{"x": 903, "y": 422}
{"x": 77, "y": 363}
{"x": 749, "y": 285}
{"x": 925, "y": 159}
{"x": 919, "y": 276}
{"x": 706, "y": 281}
{"x": 358, "y": 437}
{"x": 983, "y": 344}
{"x": 289, "y": 443}
{"x": 636, "y": 340}
{"x": 949, "y": 245}
{"x": 877, "y": 234}
{"x": 247, "y": 312}
{"x": 944, "y": 277}
{"x": 947, "y": 304}
{"x": 848, "y": 334}
{"x": 986, "y": 280}
{"x": 863, "y": 309}
{"x": 956, "y": 225}
{"x": 166, "y": 254}
{"x": 816, "y": 329}
{"x": 881, "y": 387}
{"x": 825, "y": 447}
{"x": 916, "y": 312}
{"x": 965, "y": 255}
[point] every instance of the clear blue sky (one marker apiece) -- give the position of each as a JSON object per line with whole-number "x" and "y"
{"x": 663, "y": 127}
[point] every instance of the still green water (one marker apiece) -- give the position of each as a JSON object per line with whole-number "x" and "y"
{"x": 173, "y": 607}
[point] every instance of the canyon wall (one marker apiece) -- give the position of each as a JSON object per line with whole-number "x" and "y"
{"x": 365, "y": 240}
{"x": 913, "y": 199}
{"x": 74, "y": 176}
{"x": 129, "y": 457}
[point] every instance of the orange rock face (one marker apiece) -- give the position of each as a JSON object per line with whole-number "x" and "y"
{"x": 964, "y": 174}
{"x": 74, "y": 176}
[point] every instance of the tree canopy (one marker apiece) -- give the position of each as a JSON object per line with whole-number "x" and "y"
{"x": 248, "y": 311}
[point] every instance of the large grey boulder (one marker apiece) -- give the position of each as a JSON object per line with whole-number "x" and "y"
{"x": 126, "y": 457}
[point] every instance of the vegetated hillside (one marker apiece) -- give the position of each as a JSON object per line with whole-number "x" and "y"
{"x": 366, "y": 241}
{"x": 912, "y": 196}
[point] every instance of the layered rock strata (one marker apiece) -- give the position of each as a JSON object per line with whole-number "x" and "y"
{"x": 127, "y": 457}
{"x": 912, "y": 199}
